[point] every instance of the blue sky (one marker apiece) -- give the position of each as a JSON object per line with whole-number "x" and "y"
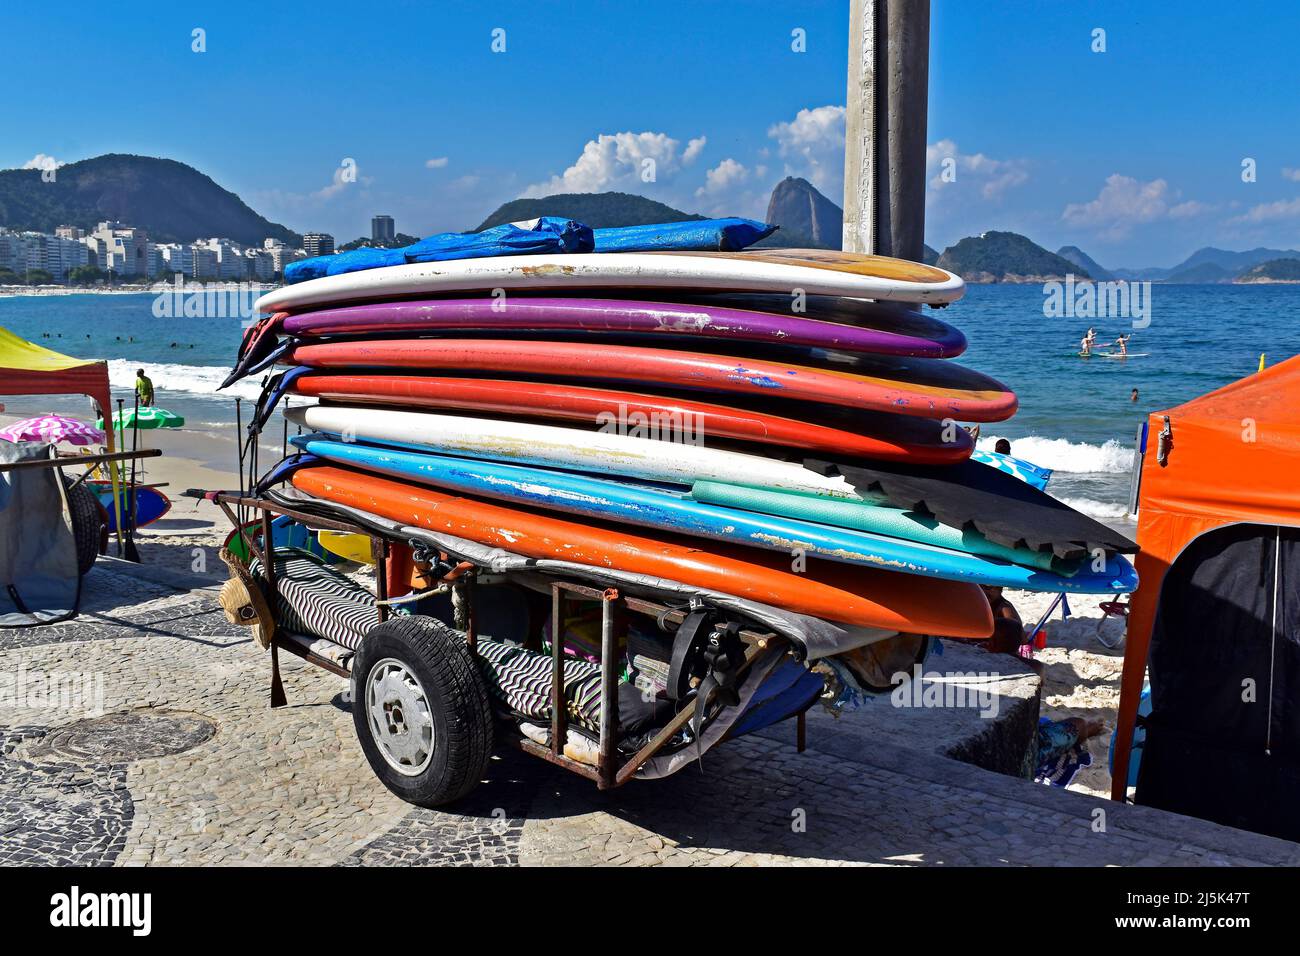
{"x": 1135, "y": 154}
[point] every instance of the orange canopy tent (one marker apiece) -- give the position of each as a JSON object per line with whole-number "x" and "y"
{"x": 1219, "y": 507}
{"x": 30, "y": 369}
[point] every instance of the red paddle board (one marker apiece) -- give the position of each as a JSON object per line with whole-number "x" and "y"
{"x": 866, "y": 434}
{"x": 926, "y": 388}
{"x": 867, "y": 597}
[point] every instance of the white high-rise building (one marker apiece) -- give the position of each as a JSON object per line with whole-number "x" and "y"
{"x": 120, "y": 249}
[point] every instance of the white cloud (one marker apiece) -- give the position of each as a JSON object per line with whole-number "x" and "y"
{"x": 723, "y": 177}
{"x": 346, "y": 174}
{"x": 42, "y": 161}
{"x": 949, "y": 168}
{"x": 693, "y": 149}
{"x": 812, "y": 145}
{"x": 1280, "y": 209}
{"x": 1291, "y": 173}
{"x": 439, "y": 162}
{"x": 627, "y": 160}
{"x": 1124, "y": 202}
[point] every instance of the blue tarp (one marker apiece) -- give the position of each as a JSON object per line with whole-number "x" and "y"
{"x": 548, "y": 234}
{"x": 706, "y": 235}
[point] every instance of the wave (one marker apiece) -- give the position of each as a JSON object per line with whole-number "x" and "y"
{"x": 1097, "y": 509}
{"x": 1069, "y": 457}
{"x": 195, "y": 379}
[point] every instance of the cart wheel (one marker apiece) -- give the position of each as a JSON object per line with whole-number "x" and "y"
{"x": 421, "y": 710}
{"x": 85, "y": 511}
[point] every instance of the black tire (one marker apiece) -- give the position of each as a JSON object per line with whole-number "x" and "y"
{"x": 87, "y": 523}
{"x": 457, "y": 699}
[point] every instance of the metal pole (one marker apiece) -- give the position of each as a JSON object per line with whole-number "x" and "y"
{"x": 885, "y": 127}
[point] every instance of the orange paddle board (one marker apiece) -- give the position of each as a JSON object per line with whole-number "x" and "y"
{"x": 863, "y": 596}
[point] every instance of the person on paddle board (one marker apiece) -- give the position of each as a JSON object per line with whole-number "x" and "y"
{"x": 143, "y": 388}
{"x": 1121, "y": 343}
{"x": 1085, "y": 345}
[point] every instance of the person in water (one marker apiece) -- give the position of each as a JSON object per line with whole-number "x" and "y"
{"x": 143, "y": 388}
{"x": 1002, "y": 447}
{"x": 1085, "y": 346}
{"x": 1134, "y": 396}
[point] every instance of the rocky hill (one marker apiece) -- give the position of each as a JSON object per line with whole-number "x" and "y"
{"x": 1274, "y": 270}
{"x": 1006, "y": 257}
{"x": 598, "y": 210}
{"x": 806, "y": 217}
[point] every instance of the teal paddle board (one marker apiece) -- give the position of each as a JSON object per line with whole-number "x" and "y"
{"x": 638, "y": 504}
{"x": 877, "y": 519}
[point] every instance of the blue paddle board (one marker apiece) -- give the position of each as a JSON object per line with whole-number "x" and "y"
{"x": 639, "y": 504}
{"x": 150, "y": 505}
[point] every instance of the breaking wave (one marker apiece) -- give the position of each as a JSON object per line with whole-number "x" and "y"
{"x": 195, "y": 379}
{"x": 1069, "y": 457}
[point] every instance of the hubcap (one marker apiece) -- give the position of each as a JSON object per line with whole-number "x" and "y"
{"x": 400, "y": 718}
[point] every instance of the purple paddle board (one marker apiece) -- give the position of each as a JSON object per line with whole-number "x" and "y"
{"x": 516, "y": 313}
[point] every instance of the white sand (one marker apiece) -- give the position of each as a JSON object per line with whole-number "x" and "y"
{"x": 1080, "y": 674}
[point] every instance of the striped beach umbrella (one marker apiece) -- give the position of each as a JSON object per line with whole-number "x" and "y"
{"x": 146, "y": 416}
{"x": 53, "y": 428}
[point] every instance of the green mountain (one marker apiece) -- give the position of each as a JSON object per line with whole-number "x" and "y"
{"x": 598, "y": 210}
{"x": 1085, "y": 262}
{"x": 1274, "y": 270}
{"x": 1005, "y": 257}
{"x": 174, "y": 202}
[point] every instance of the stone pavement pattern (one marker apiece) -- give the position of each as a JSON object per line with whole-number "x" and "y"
{"x": 187, "y": 764}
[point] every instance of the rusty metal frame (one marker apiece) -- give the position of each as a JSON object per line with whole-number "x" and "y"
{"x": 609, "y": 772}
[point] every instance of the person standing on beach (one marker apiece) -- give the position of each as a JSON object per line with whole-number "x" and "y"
{"x": 143, "y": 388}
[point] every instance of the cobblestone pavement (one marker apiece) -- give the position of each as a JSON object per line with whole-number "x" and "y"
{"x": 173, "y": 756}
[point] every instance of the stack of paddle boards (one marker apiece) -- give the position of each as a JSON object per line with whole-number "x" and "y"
{"x": 751, "y": 422}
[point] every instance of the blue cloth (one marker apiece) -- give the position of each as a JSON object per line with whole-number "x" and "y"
{"x": 701, "y": 235}
{"x": 1026, "y": 471}
{"x": 1061, "y": 754}
{"x": 547, "y": 234}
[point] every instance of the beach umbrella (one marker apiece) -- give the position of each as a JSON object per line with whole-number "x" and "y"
{"x": 53, "y": 428}
{"x": 146, "y": 416}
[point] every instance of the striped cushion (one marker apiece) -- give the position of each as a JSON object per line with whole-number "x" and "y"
{"x": 314, "y": 598}
{"x": 521, "y": 679}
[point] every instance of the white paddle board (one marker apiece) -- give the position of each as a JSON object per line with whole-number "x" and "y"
{"x": 788, "y": 271}
{"x": 679, "y": 463}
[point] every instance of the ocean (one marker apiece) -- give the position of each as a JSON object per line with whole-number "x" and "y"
{"x": 1076, "y": 416}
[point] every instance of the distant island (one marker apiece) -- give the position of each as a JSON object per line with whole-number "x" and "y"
{"x": 1274, "y": 270}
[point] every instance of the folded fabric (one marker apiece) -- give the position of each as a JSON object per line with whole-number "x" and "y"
{"x": 1026, "y": 471}
{"x": 547, "y": 234}
{"x": 700, "y": 235}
